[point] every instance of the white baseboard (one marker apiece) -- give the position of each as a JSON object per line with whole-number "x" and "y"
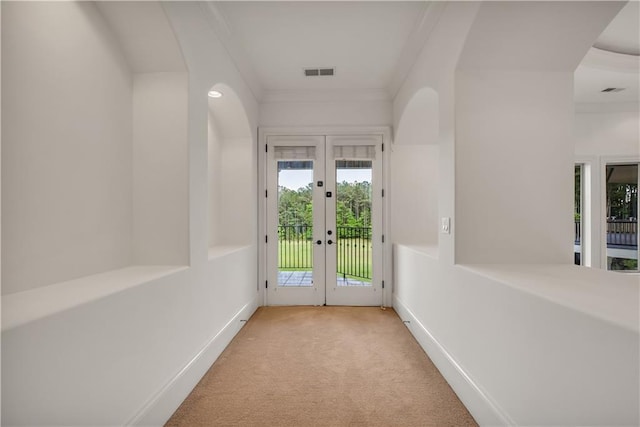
{"x": 163, "y": 404}
{"x": 483, "y": 409}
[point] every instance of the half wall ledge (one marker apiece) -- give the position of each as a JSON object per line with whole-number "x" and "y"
{"x": 28, "y": 306}
{"x": 431, "y": 251}
{"x": 609, "y": 296}
{"x": 220, "y": 251}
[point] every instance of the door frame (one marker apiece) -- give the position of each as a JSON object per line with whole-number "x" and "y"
{"x": 601, "y": 212}
{"x": 296, "y": 295}
{"x": 263, "y": 134}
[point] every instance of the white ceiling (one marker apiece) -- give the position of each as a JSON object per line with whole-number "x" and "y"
{"x": 623, "y": 33}
{"x": 613, "y": 62}
{"x": 372, "y": 45}
{"x": 597, "y": 72}
{"x": 364, "y": 41}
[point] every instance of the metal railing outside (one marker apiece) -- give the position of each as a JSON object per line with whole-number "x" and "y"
{"x": 295, "y": 247}
{"x": 619, "y": 233}
{"x": 354, "y": 250}
{"x": 622, "y": 233}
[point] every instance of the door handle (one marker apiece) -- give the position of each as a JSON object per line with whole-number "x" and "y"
{"x": 329, "y": 242}
{"x": 318, "y": 242}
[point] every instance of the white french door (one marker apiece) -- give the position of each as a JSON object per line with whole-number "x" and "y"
{"x": 324, "y": 220}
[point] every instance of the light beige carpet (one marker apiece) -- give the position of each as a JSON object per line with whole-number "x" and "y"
{"x": 322, "y": 366}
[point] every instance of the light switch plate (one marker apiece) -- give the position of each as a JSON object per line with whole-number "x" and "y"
{"x": 445, "y": 226}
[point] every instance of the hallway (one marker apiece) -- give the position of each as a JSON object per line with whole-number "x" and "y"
{"x": 323, "y": 366}
{"x": 431, "y": 157}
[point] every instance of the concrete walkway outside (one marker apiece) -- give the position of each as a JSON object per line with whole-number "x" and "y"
{"x": 305, "y": 278}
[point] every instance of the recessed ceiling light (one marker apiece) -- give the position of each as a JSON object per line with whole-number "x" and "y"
{"x": 215, "y": 94}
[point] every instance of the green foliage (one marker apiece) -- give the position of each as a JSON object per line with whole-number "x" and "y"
{"x": 622, "y": 264}
{"x": 577, "y": 189}
{"x": 353, "y": 205}
{"x": 294, "y": 206}
{"x": 622, "y": 198}
{"x": 353, "y": 233}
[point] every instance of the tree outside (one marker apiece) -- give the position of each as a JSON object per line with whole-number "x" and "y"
{"x": 353, "y": 228}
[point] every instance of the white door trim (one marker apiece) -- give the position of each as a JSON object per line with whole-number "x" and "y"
{"x": 263, "y": 134}
{"x": 602, "y": 211}
{"x": 355, "y": 295}
{"x": 295, "y": 295}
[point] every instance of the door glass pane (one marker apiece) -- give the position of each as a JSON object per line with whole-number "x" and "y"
{"x": 353, "y": 222}
{"x": 577, "y": 215}
{"x": 295, "y": 223}
{"x": 622, "y": 217}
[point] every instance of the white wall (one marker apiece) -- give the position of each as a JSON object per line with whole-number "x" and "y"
{"x": 67, "y": 185}
{"x": 237, "y": 203}
{"x": 130, "y": 357}
{"x": 292, "y": 113}
{"x": 514, "y": 129}
{"x": 519, "y": 348}
{"x": 209, "y": 64}
{"x": 160, "y": 169}
{"x": 609, "y": 133}
{"x": 514, "y": 160}
{"x": 232, "y": 172}
{"x": 414, "y": 194}
{"x": 419, "y": 123}
{"x": 415, "y": 172}
{"x": 214, "y": 155}
{"x": 512, "y": 354}
{"x": 126, "y": 347}
{"x": 232, "y": 166}
{"x": 434, "y": 71}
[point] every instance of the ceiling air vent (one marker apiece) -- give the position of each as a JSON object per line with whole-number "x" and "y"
{"x": 314, "y": 72}
{"x": 612, "y": 89}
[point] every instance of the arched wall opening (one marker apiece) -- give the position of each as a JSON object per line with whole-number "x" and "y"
{"x": 607, "y": 135}
{"x": 95, "y": 163}
{"x": 415, "y": 172}
{"x": 231, "y": 160}
{"x": 419, "y": 123}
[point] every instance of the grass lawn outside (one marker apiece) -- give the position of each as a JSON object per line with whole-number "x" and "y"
{"x": 354, "y": 257}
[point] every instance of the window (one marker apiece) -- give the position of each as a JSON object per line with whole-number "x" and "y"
{"x": 578, "y": 242}
{"x": 622, "y": 216}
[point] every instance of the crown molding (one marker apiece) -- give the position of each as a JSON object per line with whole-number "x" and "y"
{"x": 607, "y": 107}
{"x": 224, "y": 32}
{"x": 325, "y": 95}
